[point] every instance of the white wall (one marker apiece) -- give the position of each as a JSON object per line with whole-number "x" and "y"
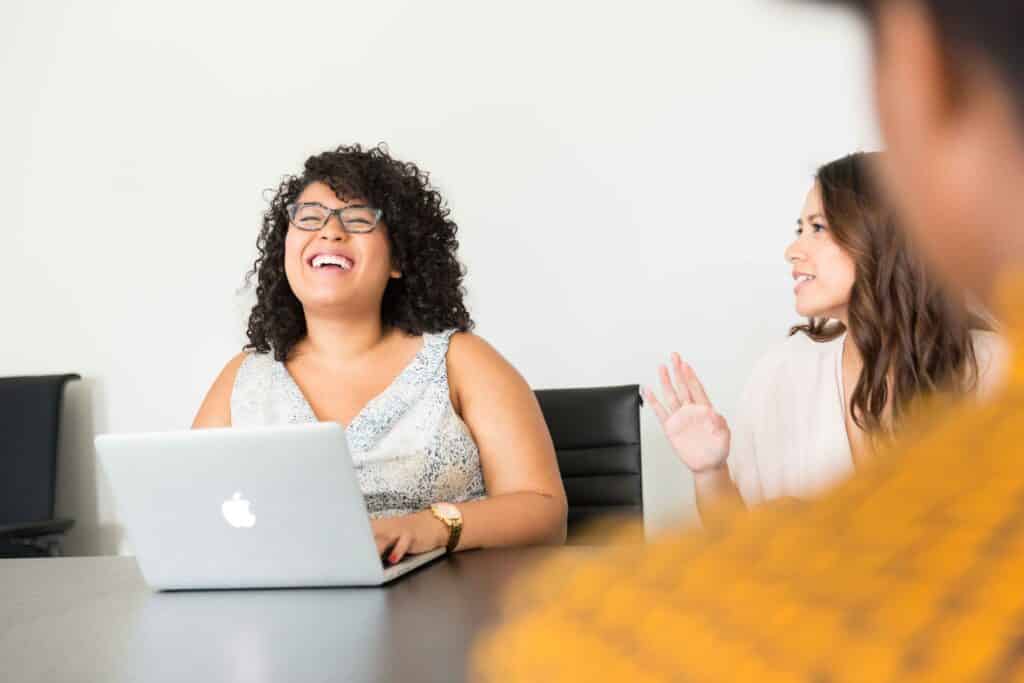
{"x": 665, "y": 148}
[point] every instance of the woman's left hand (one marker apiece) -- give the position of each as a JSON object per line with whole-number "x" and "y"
{"x": 409, "y": 534}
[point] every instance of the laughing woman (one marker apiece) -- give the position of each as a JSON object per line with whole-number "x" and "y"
{"x": 881, "y": 333}
{"x": 360, "y": 320}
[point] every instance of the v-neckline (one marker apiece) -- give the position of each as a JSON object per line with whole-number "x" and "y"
{"x": 294, "y": 386}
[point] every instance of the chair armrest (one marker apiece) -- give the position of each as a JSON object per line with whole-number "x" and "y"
{"x": 46, "y": 527}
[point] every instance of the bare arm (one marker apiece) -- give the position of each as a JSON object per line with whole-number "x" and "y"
{"x": 526, "y": 500}
{"x": 216, "y": 408}
{"x": 716, "y": 493}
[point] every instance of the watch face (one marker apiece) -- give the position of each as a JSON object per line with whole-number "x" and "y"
{"x": 448, "y": 511}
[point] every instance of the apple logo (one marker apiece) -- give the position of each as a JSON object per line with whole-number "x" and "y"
{"x": 236, "y": 512}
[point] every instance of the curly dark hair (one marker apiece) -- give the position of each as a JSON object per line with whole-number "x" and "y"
{"x": 429, "y": 295}
{"x": 913, "y": 333}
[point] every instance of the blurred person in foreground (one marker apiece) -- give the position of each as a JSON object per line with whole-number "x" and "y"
{"x": 912, "y": 570}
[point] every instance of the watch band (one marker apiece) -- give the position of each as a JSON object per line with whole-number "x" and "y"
{"x": 454, "y": 532}
{"x": 454, "y": 527}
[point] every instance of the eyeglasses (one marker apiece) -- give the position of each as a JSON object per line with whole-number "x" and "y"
{"x": 312, "y": 216}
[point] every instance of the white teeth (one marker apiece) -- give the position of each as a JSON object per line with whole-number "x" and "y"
{"x": 325, "y": 259}
{"x": 804, "y": 278}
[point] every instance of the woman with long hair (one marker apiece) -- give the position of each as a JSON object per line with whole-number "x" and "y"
{"x": 360, "y": 319}
{"x": 881, "y": 333}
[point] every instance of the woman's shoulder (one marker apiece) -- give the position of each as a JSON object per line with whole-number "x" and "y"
{"x": 233, "y": 366}
{"x": 479, "y": 375}
{"x": 245, "y": 363}
{"x": 795, "y": 361}
{"x": 467, "y": 349}
{"x": 253, "y": 371}
{"x": 472, "y": 360}
{"x": 801, "y": 350}
{"x": 249, "y": 363}
{"x": 215, "y": 410}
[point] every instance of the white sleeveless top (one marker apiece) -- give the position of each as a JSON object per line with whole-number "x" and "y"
{"x": 789, "y": 438}
{"x": 409, "y": 447}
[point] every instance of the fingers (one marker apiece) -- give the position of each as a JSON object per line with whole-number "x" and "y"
{"x": 676, "y": 395}
{"x": 401, "y": 548}
{"x": 384, "y": 542}
{"x": 384, "y": 536}
{"x": 652, "y": 400}
{"x": 677, "y": 371}
{"x": 671, "y": 397}
{"x": 688, "y": 378}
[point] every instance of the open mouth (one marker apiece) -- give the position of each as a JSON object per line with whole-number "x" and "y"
{"x": 802, "y": 279}
{"x": 330, "y": 262}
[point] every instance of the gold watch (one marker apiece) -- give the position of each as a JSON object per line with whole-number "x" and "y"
{"x": 451, "y": 517}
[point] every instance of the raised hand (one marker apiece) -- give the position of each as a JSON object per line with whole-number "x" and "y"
{"x": 699, "y": 435}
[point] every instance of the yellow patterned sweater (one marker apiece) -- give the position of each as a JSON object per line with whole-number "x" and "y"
{"x": 912, "y": 571}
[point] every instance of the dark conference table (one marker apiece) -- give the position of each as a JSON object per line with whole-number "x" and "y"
{"x": 93, "y": 619}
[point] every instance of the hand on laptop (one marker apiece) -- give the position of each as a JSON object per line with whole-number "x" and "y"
{"x": 409, "y": 534}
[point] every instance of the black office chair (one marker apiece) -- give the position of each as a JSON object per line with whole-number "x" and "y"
{"x": 597, "y": 440}
{"x": 29, "y": 430}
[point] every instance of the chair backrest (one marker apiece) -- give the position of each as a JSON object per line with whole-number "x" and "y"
{"x": 597, "y": 439}
{"x": 29, "y": 428}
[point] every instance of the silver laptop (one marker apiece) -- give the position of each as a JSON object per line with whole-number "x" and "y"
{"x": 270, "y": 507}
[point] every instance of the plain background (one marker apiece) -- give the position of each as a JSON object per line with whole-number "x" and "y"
{"x": 625, "y": 177}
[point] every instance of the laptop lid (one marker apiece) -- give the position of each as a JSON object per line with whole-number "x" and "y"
{"x": 243, "y": 508}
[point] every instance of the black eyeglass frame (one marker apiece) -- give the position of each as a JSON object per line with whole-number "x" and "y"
{"x": 292, "y": 209}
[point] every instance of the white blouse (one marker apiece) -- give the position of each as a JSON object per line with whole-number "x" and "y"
{"x": 789, "y": 438}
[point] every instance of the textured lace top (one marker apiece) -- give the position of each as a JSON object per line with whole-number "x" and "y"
{"x": 409, "y": 447}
